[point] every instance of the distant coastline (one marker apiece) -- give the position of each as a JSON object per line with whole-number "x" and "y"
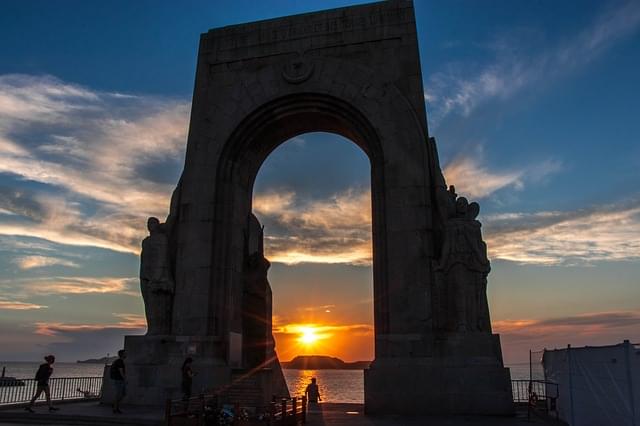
{"x": 322, "y": 362}
{"x": 103, "y": 360}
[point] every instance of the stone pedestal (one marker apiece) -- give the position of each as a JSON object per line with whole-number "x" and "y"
{"x": 153, "y": 367}
{"x": 465, "y": 376}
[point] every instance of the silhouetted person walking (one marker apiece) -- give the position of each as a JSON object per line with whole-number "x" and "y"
{"x": 118, "y": 376}
{"x": 312, "y": 392}
{"x": 42, "y": 381}
{"x": 187, "y": 378}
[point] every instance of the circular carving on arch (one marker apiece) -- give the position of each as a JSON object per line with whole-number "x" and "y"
{"x": 297, "y": 69}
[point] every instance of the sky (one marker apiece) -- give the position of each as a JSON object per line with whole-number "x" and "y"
{"x": 534, "y": 105}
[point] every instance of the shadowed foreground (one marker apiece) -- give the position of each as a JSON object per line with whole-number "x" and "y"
{"x": 91, "y": 413}
{"x": 352, "y": 415}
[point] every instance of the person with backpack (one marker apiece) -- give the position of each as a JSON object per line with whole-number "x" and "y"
{"x": 42, "y": 380}
{"x": 117, "y": 372}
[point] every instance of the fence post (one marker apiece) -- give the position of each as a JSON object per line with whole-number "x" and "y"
{"x": 530, "y": 388}
{"x": 627, "y": 350}
{"x": 573, "y": 420}
{"x": 284, "y": 410}
{"x": 304, "y": 409}
{"x": 294, "y": 409}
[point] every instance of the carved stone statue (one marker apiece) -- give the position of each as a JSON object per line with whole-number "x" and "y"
{"x": 156, "y": 282}
{"x": 463, "y": 266}
{"x": 257, "y": 299}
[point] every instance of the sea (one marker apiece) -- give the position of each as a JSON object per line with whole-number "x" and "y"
{"x": 335, "y": 385}
{"x": 27, "y": 370}
{"x": 348, "y": 385}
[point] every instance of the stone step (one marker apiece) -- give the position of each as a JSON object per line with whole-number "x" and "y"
{"x": 244, "y": 391}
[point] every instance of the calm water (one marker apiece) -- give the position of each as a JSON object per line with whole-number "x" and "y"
{"x": 335, "y": 385}
{"x": 27, "y": 370}
{"x": 348, "y": 385}
{"x": 68, "y": 389}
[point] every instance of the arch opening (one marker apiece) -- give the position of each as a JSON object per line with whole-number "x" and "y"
{"x": 249, "y": 146}
{"x": 312, "y": 195}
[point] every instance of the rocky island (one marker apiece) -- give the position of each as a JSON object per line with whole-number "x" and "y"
{"x": 323, "y": 362}
{"x": 103, "y": 360}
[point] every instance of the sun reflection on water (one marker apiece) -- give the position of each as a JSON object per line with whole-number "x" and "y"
{"x": 334, "y": 385}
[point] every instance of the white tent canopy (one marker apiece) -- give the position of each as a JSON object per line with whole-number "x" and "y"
{"x": 598, "y": 386}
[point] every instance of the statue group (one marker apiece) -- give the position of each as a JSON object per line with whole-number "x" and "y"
{"x": 156, "y": 282}
{"x": 462, "y": 268}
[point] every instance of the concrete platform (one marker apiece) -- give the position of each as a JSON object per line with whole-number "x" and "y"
{"x": 352, "y": 415}
{"x": 92, "y": 413}
{"x": 83, "y": 413}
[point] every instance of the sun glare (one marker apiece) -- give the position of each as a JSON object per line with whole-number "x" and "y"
{"x": 308, "y": 335}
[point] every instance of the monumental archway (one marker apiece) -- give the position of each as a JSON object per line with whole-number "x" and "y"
{"x": 355, "y": 72}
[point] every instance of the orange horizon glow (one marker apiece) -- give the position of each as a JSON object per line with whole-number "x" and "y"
{"x": 355, "y": 342}
{"x": 349, "y": 342}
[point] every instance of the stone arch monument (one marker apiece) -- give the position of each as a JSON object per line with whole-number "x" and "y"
{"x": 353, "y": 71}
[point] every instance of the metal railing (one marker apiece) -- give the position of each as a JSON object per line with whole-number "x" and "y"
{"x": 61, "y": 389}
{"x": 524, "y": 390}
{"x": 207, "y": 408}
{"x": 289, "y": 411}
{"x": 540, "y": 397}
{"x": 194, "y": 411}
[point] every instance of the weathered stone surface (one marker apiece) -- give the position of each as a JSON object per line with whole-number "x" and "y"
{"x": 353, "y": 71}
{"x": 156, "y": 280}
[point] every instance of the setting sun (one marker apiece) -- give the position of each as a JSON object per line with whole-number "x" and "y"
{"x": 350, "y": 342}
{"x": 308, "y": 335}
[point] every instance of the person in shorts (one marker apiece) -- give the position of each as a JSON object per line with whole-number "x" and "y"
{"x": 42, "y": 382}
{"x": 118, "y": 377}
{"x": 312, "y": 392}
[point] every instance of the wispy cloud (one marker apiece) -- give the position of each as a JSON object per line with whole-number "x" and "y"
{"x": 607, "y": 232}
{"x": 596, "y": 328}
{"x": 56, "y": 219}
{"x": 69, "y": 341}
{"x": 20, "y": 246}
{"x": 92, "y": 150}
{"x": 14, "y": 305}
{"x": 24, "y": 287}
{"x": 323, "y": 330}
{"x": 30, "y": 262}
{"x": 323, "y": 308}
{"x": 589, "y": 323}
{"x": 338, "y": 230}
{"x": 461, "y": 89}
{"x": 333, "y": 230}
{"x": 125, "y": 322}
{"x": 474, "y": 180}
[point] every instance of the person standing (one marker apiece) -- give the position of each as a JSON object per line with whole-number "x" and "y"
{"x": 312, "y": 392}
{"x": 118, "y": 376}
{"x": 187, "y": 378}
{"x": 42, "y": 380}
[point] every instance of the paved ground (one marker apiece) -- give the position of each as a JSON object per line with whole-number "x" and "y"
{"x": 352, "y": 415}
{"x": 92, "y": 413}
{"x": 77, "y": 413}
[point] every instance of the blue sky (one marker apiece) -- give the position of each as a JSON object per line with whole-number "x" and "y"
{"x": 534, "y": 106}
